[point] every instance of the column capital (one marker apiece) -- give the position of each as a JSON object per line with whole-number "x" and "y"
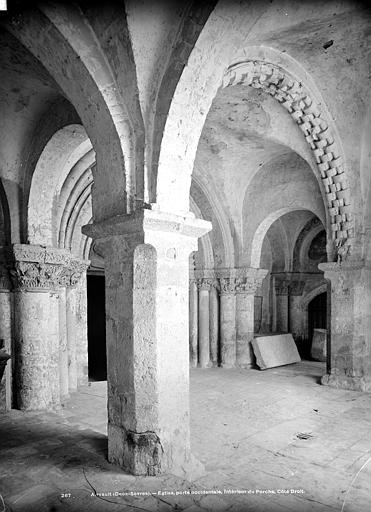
{"x": 34, "y": 267}
{"x": 282, "y": 286}
{"x": 288, "y": 283}
{"x": 333, "y": 268}
{"x": 204, "y": 283}
{"x": 5, "y": 282}
{"x": 344, "y": 275}
{"x": 228, "y": 285}
{"x": 172, "y": 236}
{"x": 296, "y": 287}
{"x": 148, "y": 227}
{"x": 244, "y": 280}
{"x": 73, "y": 271}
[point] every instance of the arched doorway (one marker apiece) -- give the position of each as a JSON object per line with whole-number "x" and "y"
{"x": 97, "y": 357}
{"x": 97, "y": 354}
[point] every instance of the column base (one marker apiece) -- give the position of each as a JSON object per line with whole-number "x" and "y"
{"x": 346, "y": 382}
{"x": 142, "y": 453}
{"x": 227, "y": 365}
{"x": 204, "y": 366}
{"x": 245, "y": 366}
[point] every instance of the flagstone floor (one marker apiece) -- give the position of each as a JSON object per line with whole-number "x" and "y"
{"x": 270, "y": 441}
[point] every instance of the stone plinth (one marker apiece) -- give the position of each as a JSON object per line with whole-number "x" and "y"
{"x": 147, "y": 281}
{"x": 275, "y": 350}
{"x": 319, "y": 345}
{"x": 350, "y": 328}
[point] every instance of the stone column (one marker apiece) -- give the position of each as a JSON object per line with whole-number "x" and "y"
{"x": 296, "y": 312}
{"x": 71, "y": 337}
{"x": 349, "y": 332}
{"x": 246, "y": 288}
{"x": 73, "y": 280}
{"x": 281, "y": 286}
{"x": 6, "y": 335}
{"x": 82, "y": 327}
{"x": 35, "y": 275}
{"x": 204, "y": 286}
{"x": 227, "y": 322}
{"x": 63, "y": 352}
{"x": 146, "y": 258}
{"x": 214, "y": 324}
{"x": 193, "y": 324}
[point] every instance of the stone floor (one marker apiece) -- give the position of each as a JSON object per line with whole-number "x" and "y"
{"x": 271, "y": 441}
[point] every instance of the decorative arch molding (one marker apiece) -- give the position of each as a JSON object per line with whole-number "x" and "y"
{"x": 259, "y": 235}
{"x": 207, "y": 250}
{"x": 216, "y": 205}
{"x": 307, "y": 114}
{"x": 307, "y": 298}
{"x": 68, "y": 150}
{"x": 284, "y": 246}
{"x": 305, "y": 237}
{"x": 5, "y": 232}
{"x": 39, "y": 31}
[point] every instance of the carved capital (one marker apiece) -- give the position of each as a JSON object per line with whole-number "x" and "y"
{"x": 204, "y": 283}
{"x": 33, "y": 267}
{"x": 34, "y": 275}
{"x": 282, "y": 286}
{"x": 248, "y": 285}
{"x": 227, "y": 285}
{"x": 72, "y": 272}
{"x": 5, "y": 282}
{"x": 297, "y": 287}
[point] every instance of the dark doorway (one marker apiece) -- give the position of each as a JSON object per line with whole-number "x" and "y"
{"x": 317, "y": 315}
{"x": 97, "y": 328}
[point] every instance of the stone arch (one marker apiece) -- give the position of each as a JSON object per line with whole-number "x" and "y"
{"x": 192, "y": 24}
{"x": 259, "y": 235}
{"x": 5, "y": 232}
{"x": 66, "y": 148}
{"x": 296, "y": 99}
{"x": 305, "y": 237}
{"x": 366, "y": 184}
{"x": 217, "y": 208}
{"x": 308, "y": 297}
{"x": 310, "y": 116}
{"x": 206, "y": 247}
{"x": 70, "y": 65}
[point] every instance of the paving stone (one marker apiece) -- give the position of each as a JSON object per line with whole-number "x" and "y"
{"x": 275, "y": 350}
{"x": 268, "y": 456}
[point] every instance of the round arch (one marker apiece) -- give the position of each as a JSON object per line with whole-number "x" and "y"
{"x": 63, "y": 151}
{"x": 207, "y": 250}
{"x": 308, "y": 111}
{"x": 257, "y": 241}
{"x": 307, "y": 298}
{"x": 5, "y": 227}
{"x": 70, "y": 65}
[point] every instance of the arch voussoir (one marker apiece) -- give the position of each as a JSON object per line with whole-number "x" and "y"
{"x": 307, "y": 114}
